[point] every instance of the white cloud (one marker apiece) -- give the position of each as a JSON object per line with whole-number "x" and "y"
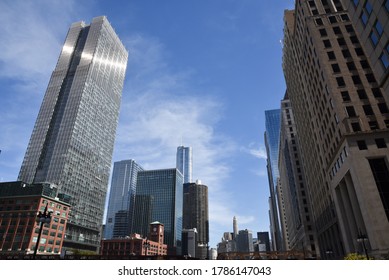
{"x": 162, "y": 109}
{"x": 256, "y": 150}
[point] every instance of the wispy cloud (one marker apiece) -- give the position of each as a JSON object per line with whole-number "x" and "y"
{"x": 162, "y": 109}
{"x": 256, "y": 150}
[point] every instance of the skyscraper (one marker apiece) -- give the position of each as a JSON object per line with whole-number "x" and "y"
{"x": 295, "y": 215}
{"x": 73, "y": 137}
{"x": 195, "y": 215}
{"x": 159, "y": 197}
{"x": 121, "y": 199}
{"x": 340, "y": 104}
{"x": 272, "y": 139}
{"x": 184, "y": 162}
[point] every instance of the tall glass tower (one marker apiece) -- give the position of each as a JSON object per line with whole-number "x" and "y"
{"x": 121, "y": 199}
{"x": 184, "y": 162}
{"x": 73, "y": 137}
{"x": 159, "y": 197}
{"x": 272, "y": 139}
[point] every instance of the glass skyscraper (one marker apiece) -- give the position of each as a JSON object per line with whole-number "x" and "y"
{"x": 272, "y": 139}
{"x": 184, "y": 162}
{"x": 159, "y": 197}
{"x": 121, "y": 199}
{"x": 72, "y": 141}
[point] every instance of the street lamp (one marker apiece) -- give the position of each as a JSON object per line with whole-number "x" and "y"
{"x": 362, "y": 238}
{"x": 43, "y": 218}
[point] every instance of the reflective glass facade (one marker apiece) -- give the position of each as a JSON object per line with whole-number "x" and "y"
{"x": 159, "y": 197}
{"x": 121, "y": 199}
{"x": 184, "y": 162}
{"x": 72, "y": 141}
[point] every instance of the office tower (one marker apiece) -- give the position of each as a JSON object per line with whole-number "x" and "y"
{"x": 19, "y": 229}
{"x": 159, "y": 197}
{"x": 263, "y": 238}
{"x": 195, "y": 215}
{"x": 296, "y": 223}
{"x": 72, "y": 141}
{"x": 272, "y": 139}
{"x": 341, "y": 114}
{"x": 189, "y": 243}
{"x": 184, "y": 162}
{"x": 244, "y": 241}
{"x": 370, "y": 19}
{"x": 121, "y": 199}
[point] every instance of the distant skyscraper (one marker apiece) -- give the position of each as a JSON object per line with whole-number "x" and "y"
{"x": 184, "y": 162}
{"x": 296, "y": 223}
{"x": 244, "y": 241}
{"x": 195, "y": 215}
{"x": 272, "y": 140}
{"x": 235, "y": 226}
{"x": 73, "y": 137}
{"x": 121, "y": 199}
{"x": 335, "y": 62}
{"x": 263, "y": 238}
{"x": 159, "y": 197}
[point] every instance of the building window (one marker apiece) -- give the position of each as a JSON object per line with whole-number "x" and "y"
{"x": 346, "y": 53}
{"x": 356, "y": 79}
{"x": 362, "y": 145}
{"x": 370, "y": 78}
{"x": 368, "y": 110}
{"x": 335, "y": 68}
{"x": 356, "y": 2}
{"x": 364, "y": 64}
{"x": 337, "y": 30}
{"x": 327, "y": 43}
{"x": 383, "y": 108}
{"x": 380, "y": 142}
{"x": 319, "y": 21}
{"x": 351, "y": 66}
{"x": 376, "y": 92}
{"x": 380, "y": 172}
{"x": 345, "y": 96}
{"x": 344, "y": 17}
{"x": 384, "y": 57}
{"x": 387, "y": 5}
{"x": 354, "y": 40}
{"x": 323, "y": 32}
{"x": 341, "y": 42}
{"x": 368, "y": 8}
{"x": 340, "y": 81}
{"x": 349, "y": 28}
{"x": 373, "y": 125}
{"x": 356, "y": 126}
{"x": 364, "y": 17}
{"x": 331, "y": 55}
{"x": 351, "y": 111}
{"x": 332, "y": 19}
{"x": 359, "y": 51}
{"x": 373, "y": 38}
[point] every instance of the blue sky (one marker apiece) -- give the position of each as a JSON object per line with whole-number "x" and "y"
{"x": 200, "y": 73}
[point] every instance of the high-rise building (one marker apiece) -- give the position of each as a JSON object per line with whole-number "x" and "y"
{"x": 272, "y": 139}
{"x": 340, "y": 105}
{"x": 159, "y": 197}
{"x": 263, "y": 238}
{"x": 121, "y": 199}
{"x": 296, "y": 223}
{"x": 184, "y": 162}
{"x": 370, "y": 19}
{"x": 72, "y": 141}
{"x": 244, "y": 241}
{"x": 195, "y": 215}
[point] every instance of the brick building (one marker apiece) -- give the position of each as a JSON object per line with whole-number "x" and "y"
{"x": 19, "y": 228}
{"x": 136, "y": 245}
